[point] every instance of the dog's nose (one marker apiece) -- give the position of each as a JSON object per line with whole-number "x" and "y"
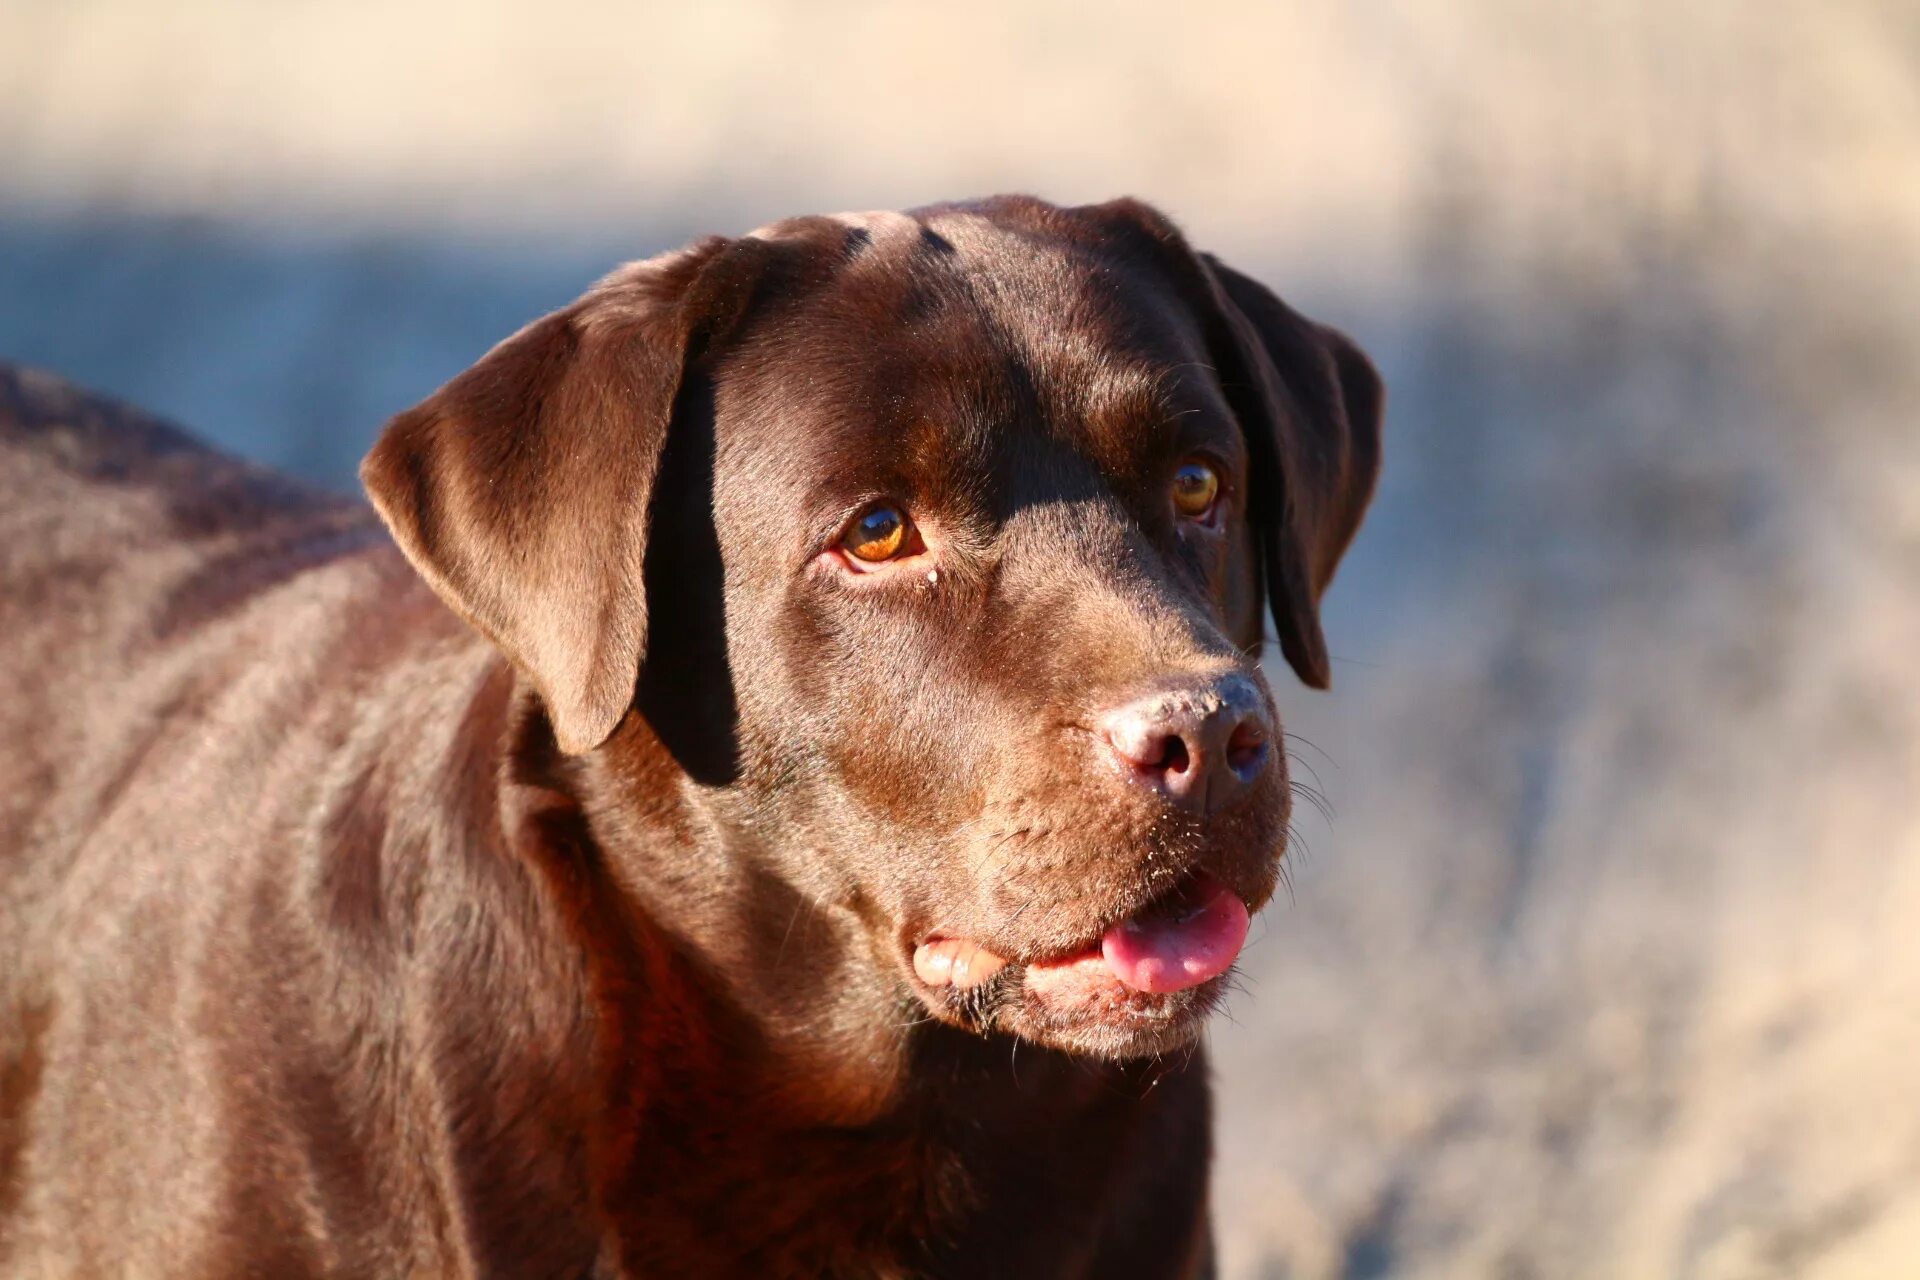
{"x": 1201, "y": 746}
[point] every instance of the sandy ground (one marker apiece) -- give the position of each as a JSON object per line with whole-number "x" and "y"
{"x": 1606, "y": 963}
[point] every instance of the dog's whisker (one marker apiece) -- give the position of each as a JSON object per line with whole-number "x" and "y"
{"x": 1313, "y": 797}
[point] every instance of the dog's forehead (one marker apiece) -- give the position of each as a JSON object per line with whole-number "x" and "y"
{"x": 964, "y": 322}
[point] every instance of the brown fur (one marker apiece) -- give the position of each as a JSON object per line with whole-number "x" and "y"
{"x": 339, "y": 937}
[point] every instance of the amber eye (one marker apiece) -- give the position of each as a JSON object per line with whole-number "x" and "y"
{"x": 876, "y": 534}
{"x": 1195, "y": 487}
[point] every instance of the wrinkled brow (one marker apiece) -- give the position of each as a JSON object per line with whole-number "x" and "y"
{"x": 1137, "y": 417}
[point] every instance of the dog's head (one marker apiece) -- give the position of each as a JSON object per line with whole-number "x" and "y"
{"x": 932, "y": 547}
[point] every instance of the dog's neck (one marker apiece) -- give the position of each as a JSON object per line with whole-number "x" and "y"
{"x": 704, "y": 1062}
{"x": 782, "y": 994}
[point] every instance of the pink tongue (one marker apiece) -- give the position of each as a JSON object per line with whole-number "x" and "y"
{"x": 1197, "y": 938}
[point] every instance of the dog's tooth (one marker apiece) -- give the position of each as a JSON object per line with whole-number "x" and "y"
{"x": 975, "y": 965}
{"x": 933, "y": 962}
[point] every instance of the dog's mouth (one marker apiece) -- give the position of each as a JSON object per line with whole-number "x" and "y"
{"x": 1142, "y": 985}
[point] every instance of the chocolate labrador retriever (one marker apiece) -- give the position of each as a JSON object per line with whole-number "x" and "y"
{"x": 786, "y": 807}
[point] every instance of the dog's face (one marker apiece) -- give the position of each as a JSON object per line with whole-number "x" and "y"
{"x": 933, "y": 548}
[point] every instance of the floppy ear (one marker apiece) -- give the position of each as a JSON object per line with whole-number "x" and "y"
{"x": 1311, "y": 404}
{"x": 520, "y": 490}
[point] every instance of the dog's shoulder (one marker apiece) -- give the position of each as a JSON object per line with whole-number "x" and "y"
{"x": 91, "y": 434}
{"x": 122, "y": 541}
{"x": 99, "y": 496}
{"x": 67, "y": 455}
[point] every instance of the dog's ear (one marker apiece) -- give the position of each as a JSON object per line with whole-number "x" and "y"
{"x": 1310, "y": 404}
{"x": 520, "y": 490}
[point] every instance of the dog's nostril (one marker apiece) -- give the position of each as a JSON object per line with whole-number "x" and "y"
{"x": 1246, "y": 750}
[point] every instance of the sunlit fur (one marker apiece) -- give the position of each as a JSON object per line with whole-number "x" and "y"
{"x": 534, "y": 892}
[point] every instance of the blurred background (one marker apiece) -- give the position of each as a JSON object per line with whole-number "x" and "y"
{"x": 1607, "y": 959}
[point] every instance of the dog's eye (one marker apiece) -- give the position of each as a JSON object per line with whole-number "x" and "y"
{"x": 877, "y": 534}
{"x": 1195, "y": 489}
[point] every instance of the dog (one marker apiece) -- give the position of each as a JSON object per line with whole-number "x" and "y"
{"x": 776, "y": 790}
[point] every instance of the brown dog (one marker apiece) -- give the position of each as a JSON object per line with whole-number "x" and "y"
{"x": 857, "y": 680}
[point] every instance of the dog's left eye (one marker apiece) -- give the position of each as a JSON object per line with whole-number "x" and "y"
{"x": 1196, "y": 487}
{"x": 877, "y": 534}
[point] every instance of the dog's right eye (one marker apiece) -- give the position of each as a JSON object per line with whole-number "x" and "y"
{"x": 877, "y": 534}
{"x": 1196, "y": 487}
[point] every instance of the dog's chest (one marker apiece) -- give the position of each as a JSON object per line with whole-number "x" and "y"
{"x": 807, "y": 1203}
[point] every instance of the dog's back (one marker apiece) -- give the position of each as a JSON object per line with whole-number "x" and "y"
{"x": 184, "y": 638}
{"x": 130, "y": 559}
